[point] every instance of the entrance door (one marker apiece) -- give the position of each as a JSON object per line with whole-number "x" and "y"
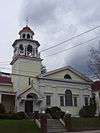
{"x": 29, "y": 107}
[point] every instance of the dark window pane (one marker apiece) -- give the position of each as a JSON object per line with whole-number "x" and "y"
{"x": 86, "y": 101}
{"x": 48, "y": 100}
{"x": 61, "y": 100}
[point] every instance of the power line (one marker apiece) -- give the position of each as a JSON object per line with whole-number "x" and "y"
{"x": 72, "y": 47}
{"x": 70, "y": 38}
{"x": 64, "y": 41}
{"x": 59, "y": 52}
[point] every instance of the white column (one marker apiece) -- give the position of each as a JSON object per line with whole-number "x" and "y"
{"x": 0, "y": 98}
{"x": 81, "y": 99}
{"x": 98, "y": 104}
{"x": 55, "y": 98}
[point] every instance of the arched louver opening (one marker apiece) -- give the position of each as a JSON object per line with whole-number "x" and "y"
{"x": 21, "y": 48}
{"x": 28, "y": 36}
{"x": 29, "y": 50}
{"x": 68, "y": 98}
{"x": 67, "y": 76}
{"x": 23, "y": 36}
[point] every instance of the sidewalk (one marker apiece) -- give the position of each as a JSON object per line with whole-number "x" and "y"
{"x": 93, "y": 131}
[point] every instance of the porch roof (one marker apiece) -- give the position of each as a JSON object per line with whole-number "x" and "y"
{"x": 5, "y": 80}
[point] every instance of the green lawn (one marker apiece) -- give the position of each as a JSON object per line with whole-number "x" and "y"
{"x": 85, "y": 123}
{"x": 18, "y": 126}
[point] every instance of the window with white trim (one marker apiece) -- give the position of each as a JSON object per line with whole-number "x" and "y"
{"x": 68, "y": 98}
{"x": 61, "y": 100}
{"x": 86, "y": 100}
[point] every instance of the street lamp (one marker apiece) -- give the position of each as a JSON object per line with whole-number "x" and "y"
{"x": 43, "y": 111}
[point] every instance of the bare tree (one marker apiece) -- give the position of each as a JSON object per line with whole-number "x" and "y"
{"x": 94, "y": 61}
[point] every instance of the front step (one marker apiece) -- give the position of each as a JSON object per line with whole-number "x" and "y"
{"x": 55, "y": 126}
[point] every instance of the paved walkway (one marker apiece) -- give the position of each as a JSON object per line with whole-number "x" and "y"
{"x": 95, "y": 131}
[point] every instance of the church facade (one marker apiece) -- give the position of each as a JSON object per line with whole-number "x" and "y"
{"x": 28, "y": 89}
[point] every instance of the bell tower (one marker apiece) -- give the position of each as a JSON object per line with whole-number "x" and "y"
{"x": 26, "y": 62}
{"x": 26, "y": 46}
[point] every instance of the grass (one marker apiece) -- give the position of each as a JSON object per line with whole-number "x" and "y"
{"x": 18, "y": 126}
{"x": 85, "y": 123}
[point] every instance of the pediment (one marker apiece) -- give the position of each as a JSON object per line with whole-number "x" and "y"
{"x": 69, "y": 73}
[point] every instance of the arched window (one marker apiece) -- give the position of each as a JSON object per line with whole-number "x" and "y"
{"x": 67, "y": 76}
{"x": 28, "y": 36}
{"x": 68, "y": 98}
{"x": 32, "y": 96}
{"x": 21, "y": 47}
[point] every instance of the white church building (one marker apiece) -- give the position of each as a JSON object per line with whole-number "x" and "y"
{"x": 28, "y": 89}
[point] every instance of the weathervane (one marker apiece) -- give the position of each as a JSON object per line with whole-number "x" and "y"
{"x": 27, "y": 21}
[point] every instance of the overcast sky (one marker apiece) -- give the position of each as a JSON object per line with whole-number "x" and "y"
{"x": 53, "y": 21}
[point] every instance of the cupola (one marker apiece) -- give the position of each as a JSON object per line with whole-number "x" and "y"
{"x": 26, "y": 33}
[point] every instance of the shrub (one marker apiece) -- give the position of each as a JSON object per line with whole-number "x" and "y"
{"x": 87, "y": 111}
{"x": 6, "y": 116}
{"x": 19, "y": 115}
{"x": 16, "y": 116}
{"x": 2, "y": 108}
{"x": 55, "y": 112}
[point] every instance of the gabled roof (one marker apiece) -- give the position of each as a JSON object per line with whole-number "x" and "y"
{"x": 70, "y": 69}
{"x": 96, "y": 86}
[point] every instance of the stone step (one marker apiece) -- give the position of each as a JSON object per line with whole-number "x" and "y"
{"x": 53, "y": 122}
{"x": 55, "y": 126}
{"x": 57, "y": 132}
{"x": 62, "y": 129}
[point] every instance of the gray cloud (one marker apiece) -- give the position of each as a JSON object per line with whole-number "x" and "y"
{"x": 39, "y": 11}
{"x": 58, "y": 20}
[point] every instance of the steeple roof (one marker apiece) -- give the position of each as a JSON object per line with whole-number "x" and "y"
{"x": 26, "y": 29}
